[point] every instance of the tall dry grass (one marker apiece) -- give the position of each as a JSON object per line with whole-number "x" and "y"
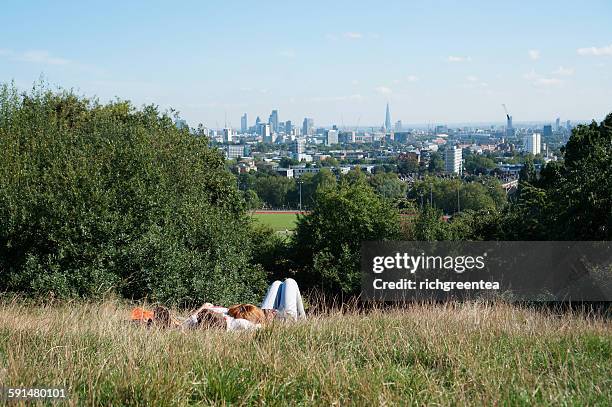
{"x": 452, "y": 354}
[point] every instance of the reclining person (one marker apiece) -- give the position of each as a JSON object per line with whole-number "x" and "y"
{"x": 283, "y": 301}
{"x": 240, "y": 317}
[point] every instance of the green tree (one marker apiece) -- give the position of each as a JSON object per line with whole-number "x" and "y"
{"x": 274, "y": 190}
{"x": 478, "y": 164}
{"x": 436, "y": 164}
{"x": 327, "y": 241}
{"x": 105, "y": 197}
{"x": 583, "y": 190}
{"x": 286, "y": 162}
{"x": 388, "y": 185}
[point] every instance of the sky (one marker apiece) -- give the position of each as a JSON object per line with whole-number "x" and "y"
{"x": 339, "y": 62}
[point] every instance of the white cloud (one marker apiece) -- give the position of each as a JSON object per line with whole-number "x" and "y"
{"x": 412, "y": 78}
{"x": 355, "y": 82}
{"x": 42, "y": 57}
{"x": 5, "y": 52}
{"x": 396, "y": 81}
{"x": 562, "y": 71}
{"x": 596, "y": 51}
{"x": 534, "y": 54}
{"x": 472, "y": 78}
{"x": 458, "y": 59}
{"x": 383, "y": 90}
{"x": 539, "y": 80}
{"x": 353, "y": 35}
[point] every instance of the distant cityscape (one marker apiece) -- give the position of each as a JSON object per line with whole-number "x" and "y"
{"x": 268, "y": 142}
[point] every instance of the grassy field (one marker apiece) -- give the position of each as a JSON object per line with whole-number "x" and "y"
{"x": 277, "y": 221}
{"x": 454, "y": 354}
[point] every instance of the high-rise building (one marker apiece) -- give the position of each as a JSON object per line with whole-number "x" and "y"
{"x": 533, "y": 143}
{"x": 307, "y": 126}
{"x": 288, "y": 127}
{"x": 273, "y": 121}
{"x": 568, "y": 125}
{"x": 398, "y": 125}
{"x": 558, "y": 124}
{"x": 266, "y": 133}
{"x": 401, "y": 137}
{"x": 331, "y": 137}
{"x": 547, "y": 131}
{"x": 258, "y": 125}
{"x": 388, "y": 119}
{"x": 228, "y": 136}
{"x": 452, "y": 159}
{"x": 298, "y": 146}
{"x": 509, "y": 127}
{"x": 347, "y": 137}
{"x": 243, "y": 124}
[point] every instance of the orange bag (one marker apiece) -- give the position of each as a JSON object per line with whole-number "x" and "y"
{"x": 142, "y": 315}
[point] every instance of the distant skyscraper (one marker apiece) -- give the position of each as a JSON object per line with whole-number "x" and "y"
{"x": 558, "y": 124}
{"x": 332, "y": 137}
{"x": 568, "y": 125}
{"x": 509, "y": 127}
{"x": 307, "y": 126}
{"x": 266, "y": 133}
{"x": 243, "y": 123}
{"x": 533, "y": 143}
{"x": 547, "y": 131}
{"x": 273, "y": 121}
{"x": 258, "y": 125}
{"x": 398, "y": 125}
{"x": 288, "y": 127}
{"x": 388, "y": 119}
{"x": 228, "y": 137}
{"x": 452, "y": 159}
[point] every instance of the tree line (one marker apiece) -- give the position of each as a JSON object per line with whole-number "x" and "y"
{"x": 98, "y": 198}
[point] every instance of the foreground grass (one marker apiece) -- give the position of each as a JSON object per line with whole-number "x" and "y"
{"x": 454, "y": 354}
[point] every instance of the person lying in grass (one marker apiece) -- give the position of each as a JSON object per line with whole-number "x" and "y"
{"x": 283, "y": 301}
{"x": 239, "y": 317}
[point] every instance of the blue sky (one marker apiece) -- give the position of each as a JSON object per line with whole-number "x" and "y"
{"x": 337, "y": 61}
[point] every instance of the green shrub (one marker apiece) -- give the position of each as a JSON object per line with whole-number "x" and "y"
{"x": 99, "y": 197}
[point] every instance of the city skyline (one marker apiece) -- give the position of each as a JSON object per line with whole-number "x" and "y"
{"x": 337, "y": 63}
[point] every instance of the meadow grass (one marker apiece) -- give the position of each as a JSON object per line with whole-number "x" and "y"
{"x": 277, "y": 221}
{"x": 450, "y": 354}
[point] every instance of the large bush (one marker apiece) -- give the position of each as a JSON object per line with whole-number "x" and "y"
{"x": 105, "y": 197}
{"x": 327, "y": 243}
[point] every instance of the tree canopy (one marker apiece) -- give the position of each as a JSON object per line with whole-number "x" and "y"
{"x": 106, "y": 197}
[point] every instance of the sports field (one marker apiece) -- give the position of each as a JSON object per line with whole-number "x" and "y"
{"x": 277, "y": 220}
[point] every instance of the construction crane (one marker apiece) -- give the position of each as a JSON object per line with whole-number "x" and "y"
{"x": 506, "y": 110}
